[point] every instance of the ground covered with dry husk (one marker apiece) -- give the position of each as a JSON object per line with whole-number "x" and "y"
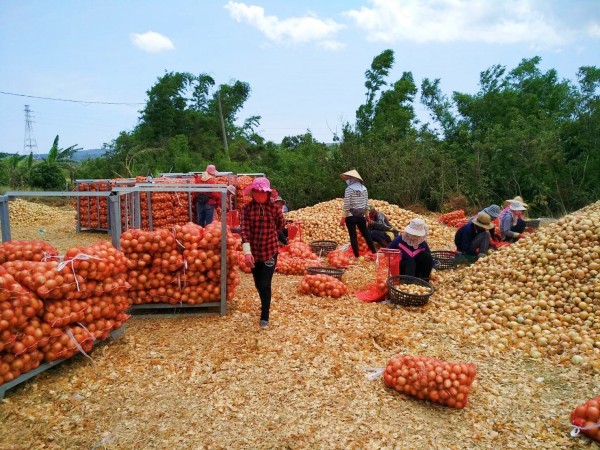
{"x": 222, "y": 382}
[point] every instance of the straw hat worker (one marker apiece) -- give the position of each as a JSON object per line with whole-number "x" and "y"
{"x": 512, "y": 224}
{"x": 416, "y": 260}
{"x": 473, "y": 238}
{"x": 355, "y": 211}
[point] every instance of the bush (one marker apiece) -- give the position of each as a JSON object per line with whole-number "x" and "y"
{"x": 47, "y": 176}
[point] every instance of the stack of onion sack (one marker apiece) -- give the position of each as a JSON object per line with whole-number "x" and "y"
{"x": 454, "y": 218}
{"x": 241, "y": 183}
{"x": 586, "y": 419}
{"x": 101, "y": 299}
{"x": 154, "y": 258}
{"x": 179, "y": 267}
{"x": 20, "y": 330}
{"x": 423, "y": 377}
{"x": 323, "y": 285}
{"x": 93, "y": 211}
{"x": 200, "y": 278}
{"x": 294, "y": 258}
{"x": 51, "y": 310}
{"x": 168, "y": 209}
{"x": 241, "y": 260}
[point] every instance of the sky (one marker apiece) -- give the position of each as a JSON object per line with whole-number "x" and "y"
{"x": 304, "y": 60}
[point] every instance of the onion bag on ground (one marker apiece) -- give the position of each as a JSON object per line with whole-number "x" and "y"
{"x": 323, "y": 285}
{"x": 338, "y": 258}
{"x": 291, "y": 265}
{"x": 438, "y": 381}
{"x": 298, "y": 250}
{"x": 586, "y": 419}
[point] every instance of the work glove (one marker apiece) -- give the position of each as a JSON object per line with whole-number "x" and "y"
{"x": 342, "y": 222}
{"x": 248, "y": 258}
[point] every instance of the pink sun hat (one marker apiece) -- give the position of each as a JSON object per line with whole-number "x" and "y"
{"x": 258, "y": 184}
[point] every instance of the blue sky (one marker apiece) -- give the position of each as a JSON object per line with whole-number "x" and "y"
{"x": 304, "y": 60}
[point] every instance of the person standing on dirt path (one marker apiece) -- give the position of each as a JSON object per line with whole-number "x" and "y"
{"x": 355, "y": 210}
{"x": 260, "y": 222}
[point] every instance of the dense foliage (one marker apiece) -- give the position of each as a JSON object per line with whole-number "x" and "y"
{"x": 525, "y": 132}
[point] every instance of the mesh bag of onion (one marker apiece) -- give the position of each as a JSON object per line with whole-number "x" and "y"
{"x": 441, "y": 382}
{"x": 585, "y": 419}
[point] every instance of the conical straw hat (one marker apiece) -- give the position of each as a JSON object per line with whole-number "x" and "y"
{"x": 353, "y": 174}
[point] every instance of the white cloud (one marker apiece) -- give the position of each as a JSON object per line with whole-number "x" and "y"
{"x": 593, "y": 30}
{"x": 297, "y": 30}
{"x": 488, "y": 21}
{"x": 152, "y": 42}
{"x": 331, "y": 45}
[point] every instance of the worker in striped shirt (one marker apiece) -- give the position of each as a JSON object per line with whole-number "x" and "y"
{"x": 355, "y": 210}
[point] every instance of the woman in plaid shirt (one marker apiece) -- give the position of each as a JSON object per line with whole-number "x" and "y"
{"x": 260, "y": 221}
{"x": 355, "y": 210}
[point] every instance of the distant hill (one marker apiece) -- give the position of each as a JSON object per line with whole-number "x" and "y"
{"x": 80, "y": 155}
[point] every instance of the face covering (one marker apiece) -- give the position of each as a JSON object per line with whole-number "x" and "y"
{"x": 349, "y": 182}
{"x": 260, "y": 196}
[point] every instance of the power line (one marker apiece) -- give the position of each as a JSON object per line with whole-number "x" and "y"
{"x": 72, "y": 101}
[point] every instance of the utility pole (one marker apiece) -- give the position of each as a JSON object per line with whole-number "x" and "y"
{"x": 30, "y": 143}
{"x": 223, "y": 125}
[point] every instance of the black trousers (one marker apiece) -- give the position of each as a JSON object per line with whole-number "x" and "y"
{"x": 380, "y": 237}
{"x": 263, "y": 276}
{"x": 352, "y": 223}
{"x": 420, "y": 266}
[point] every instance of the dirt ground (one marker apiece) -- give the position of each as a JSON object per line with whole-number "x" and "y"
{"x": 221, "y": 382}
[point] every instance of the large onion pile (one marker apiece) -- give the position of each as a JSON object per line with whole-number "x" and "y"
{"x": 541, "y": 294}
{"x": 322, "y": 222}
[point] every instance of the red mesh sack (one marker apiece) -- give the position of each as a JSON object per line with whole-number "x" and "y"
{"x": 35, "y": 250}
{"x": 45, "y": 279}
{"x": 438, "y": 381}
{"x": 338, "y": 258}
{"x": 97, "y": 261}
{"x": 323, "y": 285}
{"x": 585, "y": 419}
{"x": 291, "y": 265}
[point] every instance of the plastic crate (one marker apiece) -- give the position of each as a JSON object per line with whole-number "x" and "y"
{"x": 444, "y": 259}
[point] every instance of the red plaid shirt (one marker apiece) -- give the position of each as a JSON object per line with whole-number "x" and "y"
{"x": 259, "y": 225}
